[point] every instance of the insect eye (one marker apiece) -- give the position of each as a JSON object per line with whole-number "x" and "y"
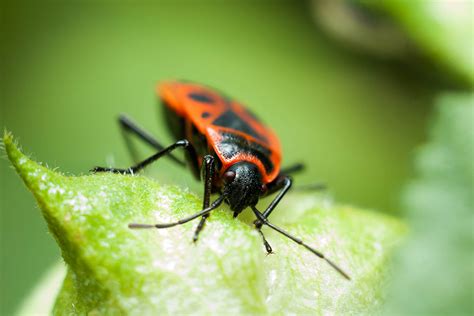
{"x": 263, "y": 189}
{"x": 229, "y": 176}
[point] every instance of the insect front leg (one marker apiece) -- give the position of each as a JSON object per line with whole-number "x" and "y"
{"x": 262, "y": 219}
{"x": 281, "y": 183}
{"x": 207, "y": 176}
{"x": 139, "y": 166}
{"x": 258, "y": 226}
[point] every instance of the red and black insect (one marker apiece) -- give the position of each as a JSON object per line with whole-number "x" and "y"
{"x": 239, "y": 156}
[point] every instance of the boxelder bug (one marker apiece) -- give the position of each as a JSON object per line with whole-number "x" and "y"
{"x": 238, "y": 155}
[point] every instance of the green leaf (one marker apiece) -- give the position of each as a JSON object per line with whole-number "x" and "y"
{"x": 436, "y": 264}
{"x": 112, "y": 269}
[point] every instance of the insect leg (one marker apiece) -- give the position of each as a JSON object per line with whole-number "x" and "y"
{"x": 261, "y": 218}
{"x": 272, "y": 188}
{"x": 208, "y": 174}
{"x": 316, "y": 186}
{"x": 258, "y": 226}
{"x": 139, "y": 166}
{"x": 128, "y": 126}
{"x": 284, "y": 184}
{"x": 213, "y": 206}
{"x": 297, "y": 167}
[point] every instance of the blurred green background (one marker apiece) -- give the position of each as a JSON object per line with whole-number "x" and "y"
{"x": 68, "y": 70}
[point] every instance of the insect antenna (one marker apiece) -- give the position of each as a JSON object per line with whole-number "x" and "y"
{"x": 205, "y": 211}
{"x": 265, "y": 221}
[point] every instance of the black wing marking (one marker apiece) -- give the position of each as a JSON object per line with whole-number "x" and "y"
{"x": 231, "y": 120}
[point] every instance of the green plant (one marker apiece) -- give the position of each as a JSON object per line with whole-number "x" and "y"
{"x": 436, "y": 262}
{"x": 112, "y": 269}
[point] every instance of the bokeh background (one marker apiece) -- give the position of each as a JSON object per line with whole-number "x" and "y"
{"x": 349, "y": 88}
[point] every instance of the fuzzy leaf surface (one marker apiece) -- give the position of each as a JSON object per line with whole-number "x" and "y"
{"x": 113, "y": 269}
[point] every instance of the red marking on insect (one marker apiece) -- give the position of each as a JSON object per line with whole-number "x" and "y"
{"x": 224, "y": 117}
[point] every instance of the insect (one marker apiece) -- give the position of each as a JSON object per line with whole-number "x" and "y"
{"x": 239, "y": 157}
